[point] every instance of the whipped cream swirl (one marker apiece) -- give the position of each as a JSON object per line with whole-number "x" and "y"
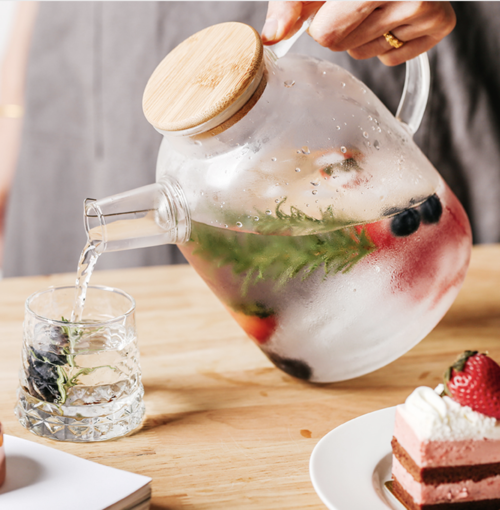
{"x": 436, "y": 418}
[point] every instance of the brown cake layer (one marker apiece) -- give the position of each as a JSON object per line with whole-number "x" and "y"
{"x": 407, "y": 500}
{"x": 438, "y": 475}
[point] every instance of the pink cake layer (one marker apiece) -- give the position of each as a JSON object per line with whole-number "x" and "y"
{"x": 467, "y": 490}
{"x": 445, "y": 453}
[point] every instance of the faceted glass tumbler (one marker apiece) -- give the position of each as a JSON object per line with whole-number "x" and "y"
{"x": 80, "y": 381}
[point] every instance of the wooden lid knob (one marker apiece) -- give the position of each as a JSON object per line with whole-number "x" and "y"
{"x": 203, "y": 76}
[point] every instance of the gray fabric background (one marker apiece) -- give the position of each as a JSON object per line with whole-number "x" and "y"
{"x": 85, "y": 134}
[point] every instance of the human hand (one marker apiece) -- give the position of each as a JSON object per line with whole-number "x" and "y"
{"x": 359, "y": 27}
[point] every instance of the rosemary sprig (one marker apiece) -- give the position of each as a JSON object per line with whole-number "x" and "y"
{"x": 277, "y": 257}
{"x": 73, "y": 334}
{"x": 296, "y": 223}
{"x": 58, "y": 374}
{"x": 65, "y": 382}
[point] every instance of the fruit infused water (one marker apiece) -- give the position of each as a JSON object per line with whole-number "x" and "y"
{"x": 324, "y": 230}
{"x": 332, "y": 305}
{"x": 80, "y": 381}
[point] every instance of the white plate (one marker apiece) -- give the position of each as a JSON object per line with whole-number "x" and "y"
{"x": 349, "y": 466}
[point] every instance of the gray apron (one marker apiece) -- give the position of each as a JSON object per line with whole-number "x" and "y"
{"x": 85, "y": 134}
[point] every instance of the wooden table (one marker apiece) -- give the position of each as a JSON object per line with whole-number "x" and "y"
{"x": 224, "y": 428}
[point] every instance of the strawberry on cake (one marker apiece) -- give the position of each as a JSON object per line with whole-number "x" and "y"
{"x": 446, "y": 447}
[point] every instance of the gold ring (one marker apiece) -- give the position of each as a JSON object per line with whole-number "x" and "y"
{"x": 393, "y": 41}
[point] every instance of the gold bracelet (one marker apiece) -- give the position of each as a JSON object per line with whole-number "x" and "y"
{"x": 11, "y": 111}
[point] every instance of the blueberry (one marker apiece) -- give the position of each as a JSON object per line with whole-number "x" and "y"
{"x": 54, "y": 334}
{"x": 293, "y": 367}
{"x": 405, "y": 223}
{"x": 58, "y": 334}
{"x": 431, "y": 210}
{"x": 43, "y": 371}
{"x": 43, "y": 391}
{"x": 43, "y": 375}
{"x": 42, "y": 381}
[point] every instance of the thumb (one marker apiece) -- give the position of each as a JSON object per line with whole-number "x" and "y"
{"x": 281, "y": 18}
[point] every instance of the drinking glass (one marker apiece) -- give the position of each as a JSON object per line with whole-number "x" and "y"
{"x": 80, "y": 380}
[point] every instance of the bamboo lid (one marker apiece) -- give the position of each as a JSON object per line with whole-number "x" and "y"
{"x": 204, "y": 76}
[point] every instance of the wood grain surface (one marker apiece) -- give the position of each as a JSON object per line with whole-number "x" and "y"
{"x": 224, "y": 428}
{"x": 203, "y": 76}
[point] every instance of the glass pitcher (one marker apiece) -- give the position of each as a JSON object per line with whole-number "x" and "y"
{"x": 300, "y": 199}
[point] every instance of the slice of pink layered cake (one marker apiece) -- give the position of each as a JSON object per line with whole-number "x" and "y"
{"x": 446, "y": 455}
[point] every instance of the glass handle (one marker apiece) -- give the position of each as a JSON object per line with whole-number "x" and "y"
{"x": 415, "y": 92}
{"x": 281, "y": 48}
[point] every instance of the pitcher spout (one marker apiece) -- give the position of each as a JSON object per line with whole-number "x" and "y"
{"x": 148, "y": 216}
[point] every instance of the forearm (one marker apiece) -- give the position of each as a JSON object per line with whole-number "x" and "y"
{"x": 12, "y": 83}
{"x": 13, "y": 66}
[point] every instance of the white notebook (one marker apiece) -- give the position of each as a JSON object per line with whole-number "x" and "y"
{"x": 44, "y": 478}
